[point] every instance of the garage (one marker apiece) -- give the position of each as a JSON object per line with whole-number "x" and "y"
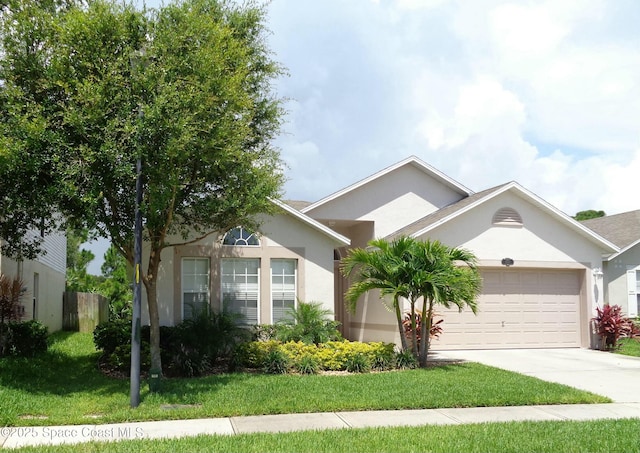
{"x": 534, "y": 308}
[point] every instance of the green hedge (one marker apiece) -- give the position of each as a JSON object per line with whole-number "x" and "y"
{"x": 333, "y": 355}
{"x": 23, "y": 338}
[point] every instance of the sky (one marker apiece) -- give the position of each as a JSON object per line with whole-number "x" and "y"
{"x": 545, "y": 93}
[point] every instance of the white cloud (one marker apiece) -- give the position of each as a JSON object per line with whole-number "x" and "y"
{"x": 545, "y": 92}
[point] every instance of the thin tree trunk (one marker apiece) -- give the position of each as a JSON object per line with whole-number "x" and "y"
{"x": 154, "y": 314}
{"x": 403, "y": 338}
{"x": 154, "y": 321}
{"x": 414, "y": 330}
{"x": 425, "y": 331}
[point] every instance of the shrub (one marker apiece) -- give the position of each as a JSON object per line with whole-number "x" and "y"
{"x": 107, "y": 336}
{"x": 26, "y": 339}
{"x": 276, "y": 362}
{"x": 405, "y": 360}
{"x": 11, "y": 293}
{"x": 333, "y": 355}
{"x": 189, "y": 349}
{"x": 611, "y": 325}
{"x": 309, "y": 324}
{"x": 307, "y": 364}
{"x": 358, "y": 363}
{"x": 434, "y": 332}
{"x": 264, "y": 332}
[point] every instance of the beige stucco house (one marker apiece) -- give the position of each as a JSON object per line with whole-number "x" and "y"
{"x": 539, "y": 266}
{"x": 44, "y": 279}
{"x": 621, "y": 270}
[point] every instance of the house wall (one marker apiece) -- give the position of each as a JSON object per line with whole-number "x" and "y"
{"x": 392, "y": 201}
{"x": 44, "y": 279}
{"x": 615, "y": 271}
{"x": 282, "y": 236}
{"x": 541, "y": 237}
{"x": 542, "y": 242}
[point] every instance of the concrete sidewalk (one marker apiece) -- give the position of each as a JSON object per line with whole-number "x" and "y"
{"x": 14, "y": 437}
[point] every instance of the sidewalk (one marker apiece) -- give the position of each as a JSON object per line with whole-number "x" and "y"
{"x": 14, "y": 437}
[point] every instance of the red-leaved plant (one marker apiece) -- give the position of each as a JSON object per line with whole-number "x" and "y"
{"x": 11, "y": 293}
{"x": 436, "y": 328}
{"x": 612, "y": 325}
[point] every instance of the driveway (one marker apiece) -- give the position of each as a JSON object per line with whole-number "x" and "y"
{"x": 612, "y": 375}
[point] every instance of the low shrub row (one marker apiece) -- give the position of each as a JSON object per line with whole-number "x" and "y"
{"x": 192, "y": 348}
{"x": 23, "y": 338}
{"x": 274, "y": 356}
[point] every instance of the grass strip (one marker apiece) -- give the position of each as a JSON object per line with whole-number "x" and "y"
{"x": 64, "y": 387}
{"x": 607, "y": 436}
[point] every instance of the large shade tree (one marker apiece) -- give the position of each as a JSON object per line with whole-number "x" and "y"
{"x": 407, "y": 268}
{"x": 88, "y": 87}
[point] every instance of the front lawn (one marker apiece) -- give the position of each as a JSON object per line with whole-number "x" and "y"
{"x": 64, "y": 386}
{"x": 629, "y": 346}
{"x": 606, "y": 436}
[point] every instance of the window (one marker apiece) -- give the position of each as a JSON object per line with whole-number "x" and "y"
{"x": 507, "y": 217}
{"x": 633, "y": 287}
{"x": 283, "y": 288}
{"x": 241, "y": 287}
{"x": 195, "y": 286}
{"x": 240, "y": 237}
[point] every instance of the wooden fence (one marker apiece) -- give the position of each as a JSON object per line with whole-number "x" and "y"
{"x": 83, "y": 311}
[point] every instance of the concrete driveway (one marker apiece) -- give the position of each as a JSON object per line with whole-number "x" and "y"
{"x": 612, "y": 375}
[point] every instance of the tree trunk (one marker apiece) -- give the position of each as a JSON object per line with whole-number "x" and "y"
{"x": 154, "y": 322}
{"x": 403, "y": 338}
{"x": 425, "y": 332}
{"x": 414, "y": 330}
{"x": 154, "y": 314}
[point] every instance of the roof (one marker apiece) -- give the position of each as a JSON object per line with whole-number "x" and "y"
{"x": 412, "y": 160}
{"x": 621, "y": 229}
{"x": 432, "y": 220}
{"x": 297, "y": 204}
{"x": 342, "y": 240}
{"x": 452, "y": 211}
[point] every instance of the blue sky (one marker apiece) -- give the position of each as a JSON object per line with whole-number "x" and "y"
{"x": 546, "y": 93}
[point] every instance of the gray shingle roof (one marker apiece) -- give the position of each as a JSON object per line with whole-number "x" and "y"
{"x": 442, "y": 213}
{"x": 621, "y": 229}
{"x": 297, "y": 204}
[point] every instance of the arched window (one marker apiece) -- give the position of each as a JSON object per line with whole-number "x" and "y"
{"x": 240, "y": 237}
{"x": 507, "y": 217}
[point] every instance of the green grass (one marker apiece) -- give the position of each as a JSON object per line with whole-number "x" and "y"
{"x": 64, "y": 386}
{"x": 607, "y": 436}
{"x": 629, "y": 346}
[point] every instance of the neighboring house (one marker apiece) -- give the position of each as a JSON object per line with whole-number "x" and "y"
{"x": 44, "y": 279}
{"x": 538, "y": 264}
{"x": 621, "y": 270}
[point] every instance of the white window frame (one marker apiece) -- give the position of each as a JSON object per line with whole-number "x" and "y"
{"x": 224, "y": 285}
{"x": 184, "y": 278}
{"x": 241, "y": 238}
{"x": 279, "y": 289}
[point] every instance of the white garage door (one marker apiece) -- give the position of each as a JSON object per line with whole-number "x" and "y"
{"x": 518, "y": 309}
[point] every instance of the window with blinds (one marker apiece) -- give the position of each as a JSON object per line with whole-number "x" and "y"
{"x": 195, "y": 286}
{"x": 241, "y": 288}
{"x": 283, "y": 288}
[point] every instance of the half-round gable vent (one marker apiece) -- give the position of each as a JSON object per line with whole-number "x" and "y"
{"x": 507, "y": 217}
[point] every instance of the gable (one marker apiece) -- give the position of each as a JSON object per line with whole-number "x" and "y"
{"x": 541, "y": 235}
{"x": 392, "y": 198}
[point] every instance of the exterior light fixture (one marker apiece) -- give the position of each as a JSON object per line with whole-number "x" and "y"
{"x": 597, "y": 273}
{"x": 507, "y": 262}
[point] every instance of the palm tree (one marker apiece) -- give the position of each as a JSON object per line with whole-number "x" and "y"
{"x": 446, "y": 276}
{"x": 383, "y": 266}
{"x": 412, "y": 269}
